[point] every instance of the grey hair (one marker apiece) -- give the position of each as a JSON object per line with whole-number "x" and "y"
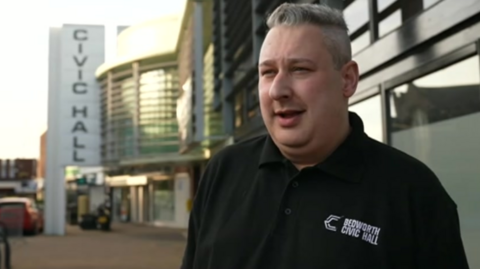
{"x": 330, "y": 20}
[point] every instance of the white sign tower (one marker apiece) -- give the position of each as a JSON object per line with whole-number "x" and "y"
{"x": 73, "y": 136}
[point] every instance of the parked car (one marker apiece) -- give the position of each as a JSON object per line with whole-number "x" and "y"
{"x": 21, "y": 214}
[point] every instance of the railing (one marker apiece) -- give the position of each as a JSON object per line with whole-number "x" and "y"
{"x": 6, "y": 249}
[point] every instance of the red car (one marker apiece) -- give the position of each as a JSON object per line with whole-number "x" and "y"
{"x": 20, "y": 214}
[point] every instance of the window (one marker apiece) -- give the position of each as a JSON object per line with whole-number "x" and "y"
{"x": 164, "y": 201}
{"x": 370, "y": 111}
{"x": 239, "y": 104}
{"x": 429, "y": 3}
{"x": 361, "y": 42}
{"x": 356, "y": 15}
{"x": 436, "y": 118}
{"x": 390, "y": 23}
{"x": 383, "y": 4}
{"x": 253, "y": 108}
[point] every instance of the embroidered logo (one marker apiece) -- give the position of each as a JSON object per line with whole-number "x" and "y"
{"x": 331, "y": 218}
{"x": 354, "y": 228}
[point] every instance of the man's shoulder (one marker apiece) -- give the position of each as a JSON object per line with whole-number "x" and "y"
{"x": 248, "y": 150}
{"x": 231, "y": 163}
{"x": 405, "y": 170}
{"x": 394, "y": 159}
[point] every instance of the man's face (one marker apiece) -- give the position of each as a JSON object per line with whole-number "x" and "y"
{"x": 301, "y": 93}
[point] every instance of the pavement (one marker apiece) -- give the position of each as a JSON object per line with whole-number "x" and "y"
{"x": 127, "y": 246}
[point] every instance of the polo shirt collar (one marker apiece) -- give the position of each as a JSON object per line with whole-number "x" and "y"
{"x": 347, "y": 162}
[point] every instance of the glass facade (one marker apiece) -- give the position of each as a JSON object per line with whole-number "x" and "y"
{"x": 384, "y": 4}
{"x": 163, "y": 201}
{"x": 213, "y": 125}
{"x": 370, "y": 111}
{"x": 356, "y": 15}
{"x": 361, "y": 42}
{"x": 139, "y": 113}
{"x": 390, "y": 23}
{"x": 436, "y": 118}
{"x": 124, "y": 104}
{"x": 158, "y": 126}
{"x": 429, "y": 3}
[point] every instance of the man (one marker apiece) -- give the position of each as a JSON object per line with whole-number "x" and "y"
{"x": 317, "y": 192}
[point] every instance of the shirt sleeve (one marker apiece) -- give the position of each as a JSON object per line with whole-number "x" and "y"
{"x": 189, "y": 254}
{"x": 443, "y": 248}
{"x": 196, "y": 216}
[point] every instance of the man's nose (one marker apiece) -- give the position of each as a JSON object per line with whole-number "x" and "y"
{"x": 280, "y": 87}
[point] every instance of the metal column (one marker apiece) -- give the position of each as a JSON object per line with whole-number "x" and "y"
{"x": 198, "y": 50}
{"x": 136, "y": 114}
{"x": 227, "y": 84}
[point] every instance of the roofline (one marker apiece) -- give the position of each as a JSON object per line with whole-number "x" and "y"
{"x": 107, "y": 66}
{"x": 104, "y": 68}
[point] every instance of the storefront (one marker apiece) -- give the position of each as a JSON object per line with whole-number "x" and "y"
{"x": 120, "y": 197}
{"x": 172, "y": 200}
{"x": 163, "y": 200}
{"x": 129, "y": 198}
{"x": 159, "y": 200}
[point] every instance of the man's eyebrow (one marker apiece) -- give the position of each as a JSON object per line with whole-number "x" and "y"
{"x": 291, "y": 60}
{"x": 301, "y": 60}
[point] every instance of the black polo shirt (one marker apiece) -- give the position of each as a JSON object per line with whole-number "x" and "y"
{"x": 366, "y": 206}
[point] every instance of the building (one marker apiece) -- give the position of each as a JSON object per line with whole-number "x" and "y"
{"x": 17, "y": 177}
{"x": 40, "y": 179}
{"x": 419, "y": 89}
{"x": 152, "y": 173}
{"x": 43, "y": 155}
{"x": 419, "y": 92}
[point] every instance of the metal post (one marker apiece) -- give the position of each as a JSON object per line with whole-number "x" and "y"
{"x": 136, "y": 114}
{"x": 108, "y": 146}
{"x": 257, "y": 22}
{"x": 227, "y": 84}
{"x": 374, "y": 21}
{"x": 198, "y": 50}
{"x": 385, "y": 104}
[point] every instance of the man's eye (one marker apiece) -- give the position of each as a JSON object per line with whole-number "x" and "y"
{"x": 267, "y": 72}
{"x": 299, "y": 69}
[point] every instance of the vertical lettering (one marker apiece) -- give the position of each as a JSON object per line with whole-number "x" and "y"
{"x": 79, "y": 87}
{"x": 76, "y": 145}
{"x": 83, "y": 111}
{"x": 79, "y": 126}
{"x": 80, "y": 63}
{"x": 80, "y": 35}
{"x": 76, "y": 158}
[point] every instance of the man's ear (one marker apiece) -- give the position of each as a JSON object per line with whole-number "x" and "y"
{"x": 350, "y": 78}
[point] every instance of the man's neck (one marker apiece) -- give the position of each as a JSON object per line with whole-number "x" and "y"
{"x": 317, "y": 151}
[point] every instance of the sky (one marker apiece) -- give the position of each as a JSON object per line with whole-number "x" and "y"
{"x": 24, "y": 28}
